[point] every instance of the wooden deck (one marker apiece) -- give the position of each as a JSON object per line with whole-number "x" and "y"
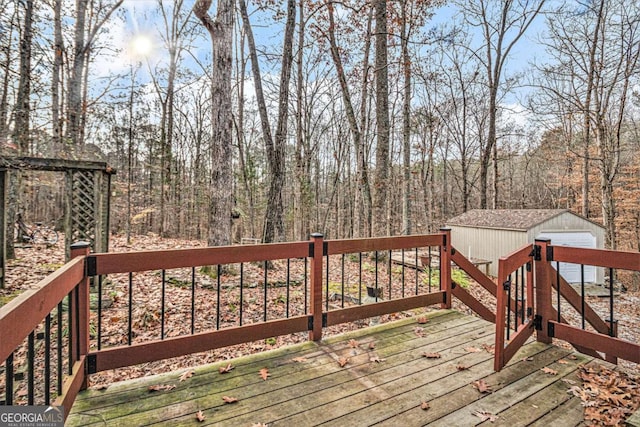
{"x": 384, "y": 382}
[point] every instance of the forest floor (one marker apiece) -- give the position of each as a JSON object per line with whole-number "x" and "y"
{"x": 35, "y": 262}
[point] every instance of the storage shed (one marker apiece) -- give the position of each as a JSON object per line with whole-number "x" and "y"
{"x": 492, "y": 234}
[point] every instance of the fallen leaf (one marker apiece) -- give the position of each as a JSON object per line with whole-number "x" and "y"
{"x": 461, "y": 367}
{"x": 372, "y": 345}
{"x": 423, "y": 320}
{"x": 473, "y": 350}
{"x": 568, "y": 381}
{"x": 200, "y": 416}
{"x": 258, "y": 425}
{"x": 425, "y": 405}
{"x": 572, "y": 357}
{"x": 562, "y": 362}
{"x": 376, "y": 359}
{"x": 482, "y": 386}
{"x": 485, "y": 416}
{"x": 489, "y": 348}
{"x": 226, "y": 369}
{"x": 431, "y": 355}
{"x": 186, "y": 375}
{"x": 343, "y": 361}
{"x": 161, "y": 387}
{"x": 549, "y": 371}
{"x": 264, "y": 373}
{"x": 353, "y": 343}
{"x": 228, "y": 399}
{"x": 419, "y": 331}
{"x": 299, "y": 359}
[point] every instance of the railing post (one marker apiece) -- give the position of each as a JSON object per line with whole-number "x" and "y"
{"x": 543, "y": 280}
{"x": 81, "y": 323}
{"x": 445, "y": 266}
{"x": 317, "y": 239}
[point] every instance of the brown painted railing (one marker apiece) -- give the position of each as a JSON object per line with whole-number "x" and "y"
{"x": 88, "y": 351}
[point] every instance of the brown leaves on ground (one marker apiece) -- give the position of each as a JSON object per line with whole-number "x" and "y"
{"x": 161, "y": 387}
{"x": 425, "y": 406}
{"x": 372, "y": 345}
{"x": 549, "y": 371}
{"x": 264, "y": 373}
{"x": 482, "y": 386}
{"x": 343, "y": 361}
{"x": 354, "y": 343}
{"x": 376, "y": 359}
{"x": 186, "y": 375}
{"x": 431, "y": 355}
{"x": 419, "y": 331}
{"x": 229, "y": 399}
{"x": 473, "y": 349}
{"x": 485, "y": 416}
{"x": 461, "y": 367}
{"x": 200, "y": 416}
{"x": 226, "y": 369}
{"x": 299, "y": 359}
{"x": 609, "y": 397}
{"x": 491, "y": 349}
{"x": 422, "y": 320}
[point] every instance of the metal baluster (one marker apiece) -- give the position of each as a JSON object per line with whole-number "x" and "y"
{"x": 326, "y": 283}
{"x": 582, "y": 292}
{"x": 31, "y": 367}
{"x": 47, "y": 359}
{"x": 288, "y": 283}
{"x": 306, "y": 285}
{"x": 99, "y": 313}
{"x": 266, "y": 284}
{"x": 164, "y": 285}
{"x": 342, "y": 283}
{"x": 219, "y": 286}
{"x": 130, "y": 334}
{"x": 8, "y": 374}
{"x": 70, "y": 331}
{"x": 558, "y": 293}
{"x": 429, "y": 258}
{"x": 417, "y": 282}
{"x": 509, "y": 308}
{"x": 241, "y": 290}
{"x": 524, "y": 298}
{"x": 611, "y": 331}
{"x": 59, "y": 350}
{"x": 389, "y": 269}
{"x": 360, "y": 278}
{"x": 515, "y": 317}
{"x": 402, "y": 272}
{"x": 376, "y": 276}
{"x": 193, "y": 300}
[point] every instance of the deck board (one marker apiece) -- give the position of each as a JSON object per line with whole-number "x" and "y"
{"x": 307, "y": 386}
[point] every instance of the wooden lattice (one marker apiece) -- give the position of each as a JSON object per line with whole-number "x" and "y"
{"x": 83, "y": 207}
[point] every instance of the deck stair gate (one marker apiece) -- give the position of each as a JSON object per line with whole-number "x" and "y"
{"x": 87, "y": 188}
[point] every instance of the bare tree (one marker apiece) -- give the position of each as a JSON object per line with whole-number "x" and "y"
{"x": 221, "y": 184}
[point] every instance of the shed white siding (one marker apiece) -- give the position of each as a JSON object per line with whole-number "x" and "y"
{"x": 488, "y": 235}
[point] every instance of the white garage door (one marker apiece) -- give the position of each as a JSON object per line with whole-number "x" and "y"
{"x": 577, "y": 239}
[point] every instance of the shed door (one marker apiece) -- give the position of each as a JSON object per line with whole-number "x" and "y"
{"x": 576, "y": 239}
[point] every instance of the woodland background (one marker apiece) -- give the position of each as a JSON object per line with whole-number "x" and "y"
{"x": 273, "y": 120}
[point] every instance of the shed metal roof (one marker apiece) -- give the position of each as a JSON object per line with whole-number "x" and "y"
{"x": 512, "y": 219}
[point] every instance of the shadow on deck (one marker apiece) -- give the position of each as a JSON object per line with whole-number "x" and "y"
{"x": 385, "y": 381}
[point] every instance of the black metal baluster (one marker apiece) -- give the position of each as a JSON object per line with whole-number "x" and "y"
{"x": 306, "y": 285}
{"x": 288, "y": 283}
{"x": 522, "y": 292}
{"x": 266, "y": 284}
{"x": 515, "y": 317}
{"x": 558, "y": 294}
{"x": 429, "y": 258}
{"x": 360, "y": 279}
{"x": 99, "y": 313}
{"x": 31, "y": 367}
{"x": 582, "y": 292}
{"x": 70, "y": 332}
{"x": 508, "y": 307}
{"x": 8, "y": 374}
{"x": 241, "y": 290}
{"x": 342, "y": 283}
{"x": 611, "y": 331}
{"x": 402, "y": 272}
{"x": 164, "y": 285}
{"x": 326, "y": 283}
{"x": 417, "y": 282}
{"x": 218, "y": 286}
{"x": 193, "y": 300}
{"x": 47, "y": 359}
{"x": 376, "y": 276}
{"x": 59, "y": 350}
{"x": 130, "y": 327}
{"x": 389, "y": 269}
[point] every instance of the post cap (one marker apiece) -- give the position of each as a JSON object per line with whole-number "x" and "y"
{"x": 80, "y": 245}
{"x": 316, "y": 235}
{"x": 445, "y": 228}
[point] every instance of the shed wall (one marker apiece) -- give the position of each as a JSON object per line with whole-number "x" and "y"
{"x": 487, "y": 243}
{"x": 568, "y": 222}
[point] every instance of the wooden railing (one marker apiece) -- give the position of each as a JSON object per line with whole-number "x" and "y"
{"x": 81, "y": 340}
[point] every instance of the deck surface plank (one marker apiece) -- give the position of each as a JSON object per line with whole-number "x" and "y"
{"x": 384, "y": 383}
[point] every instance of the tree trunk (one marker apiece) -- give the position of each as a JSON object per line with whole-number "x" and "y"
{"x": 382, "y": 121}
{"x": 58, "y": 48}
{"x": 221, "y": 183}
{"x": 22, "y": 108}
{"x": 406, "y": 125}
